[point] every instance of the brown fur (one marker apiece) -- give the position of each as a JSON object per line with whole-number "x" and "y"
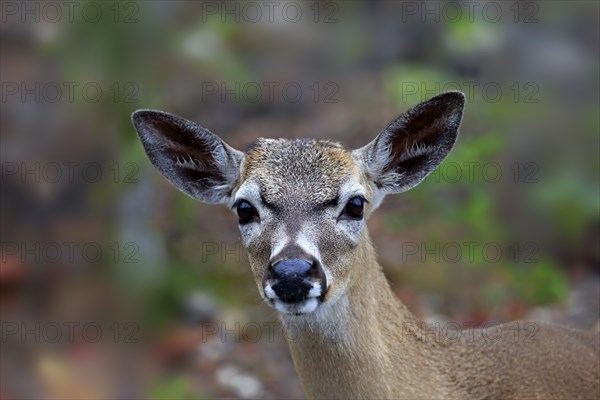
{"x": 307, "y": 169}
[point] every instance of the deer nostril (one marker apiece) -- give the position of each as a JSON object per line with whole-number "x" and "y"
{"x": 292, "y": 267}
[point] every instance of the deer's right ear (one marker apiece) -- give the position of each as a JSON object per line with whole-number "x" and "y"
{"x": 191, "y": 157}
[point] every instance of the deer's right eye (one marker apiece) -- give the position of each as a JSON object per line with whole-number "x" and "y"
{"x": 247, "y": 213}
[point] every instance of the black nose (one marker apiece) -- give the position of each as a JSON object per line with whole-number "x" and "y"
{"x": 291, "y": 279}
{"x": 291, "y": 268}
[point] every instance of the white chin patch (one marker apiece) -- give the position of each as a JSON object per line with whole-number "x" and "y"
{"x": 307, "y": 306}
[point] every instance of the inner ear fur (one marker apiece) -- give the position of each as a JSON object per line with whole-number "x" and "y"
{"x": 413, "y": 144}
{"x": 191, "y": 157}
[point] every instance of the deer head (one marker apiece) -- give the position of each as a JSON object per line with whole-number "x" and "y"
{"x": 302, "y": 204}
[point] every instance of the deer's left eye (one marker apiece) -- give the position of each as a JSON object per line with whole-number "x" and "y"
{"x": 246, "y": 212}
{"x": 354, "y": 208}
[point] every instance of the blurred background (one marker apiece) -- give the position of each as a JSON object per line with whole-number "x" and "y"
{"x": 115, "y": 285}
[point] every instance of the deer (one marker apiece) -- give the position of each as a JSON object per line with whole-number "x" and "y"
{"x": 302, "y": 206}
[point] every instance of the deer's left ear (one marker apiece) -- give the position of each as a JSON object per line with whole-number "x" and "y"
{"x": 412, "y": 145}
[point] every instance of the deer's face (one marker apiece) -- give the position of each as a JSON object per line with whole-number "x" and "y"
{"x": 302, "y": 204}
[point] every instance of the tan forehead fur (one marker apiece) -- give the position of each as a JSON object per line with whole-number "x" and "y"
{"x": 284, "y": 169}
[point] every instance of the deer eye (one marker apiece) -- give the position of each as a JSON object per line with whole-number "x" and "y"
{"x": 246, "y": 212}
{"x": 354, "y": 208}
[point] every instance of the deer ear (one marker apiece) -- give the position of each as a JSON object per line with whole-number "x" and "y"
{"x": 191, "y": 157}
{"x": 414, "y": 144}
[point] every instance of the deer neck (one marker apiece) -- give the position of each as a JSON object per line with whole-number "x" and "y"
{"x": 366, "y": 344}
